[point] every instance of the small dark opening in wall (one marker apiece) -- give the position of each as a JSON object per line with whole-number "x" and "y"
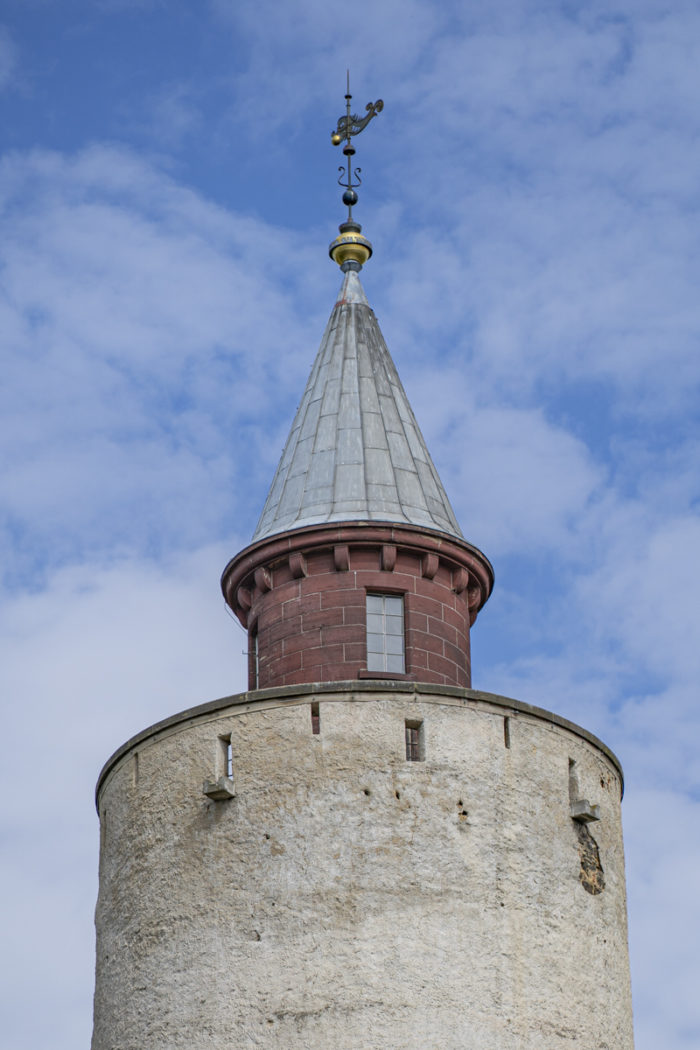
{"x": 367, "y": 791}
{"x": 315, "y": 719}
{"x": 253, "y": 659}
{"x": 225, "y": 764}
{"x": 506, "y": 731}
{"x": 415, "y": 742}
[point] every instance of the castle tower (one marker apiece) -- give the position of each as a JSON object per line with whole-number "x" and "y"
{"x": 360, "y": 851}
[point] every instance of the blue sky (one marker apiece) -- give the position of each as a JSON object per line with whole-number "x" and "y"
{"x": 167, "y": 195}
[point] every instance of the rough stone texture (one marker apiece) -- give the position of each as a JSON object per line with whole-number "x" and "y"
{"x": 347, "y": 898}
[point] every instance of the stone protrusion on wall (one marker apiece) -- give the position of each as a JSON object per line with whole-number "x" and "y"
{"x": 263, "y": 580}
{"x": 308, "y": 591}
{"x": 244, "y": 599}
{"x": 584, "y": 812}
{"x": 388, "y": 557}
{"x": 297, "y": 565}
{"x": 341, "y": 557}
{"x": 430, "y": 566}
{"x": 460, "y": 580}
{"x": 219, "y": 790}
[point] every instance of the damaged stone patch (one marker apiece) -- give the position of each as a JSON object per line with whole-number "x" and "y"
{"x": 591, "y": 875}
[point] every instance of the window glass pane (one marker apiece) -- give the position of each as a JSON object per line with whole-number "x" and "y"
{"x": 385, "y": 633}
{"x": 394, "y": 644}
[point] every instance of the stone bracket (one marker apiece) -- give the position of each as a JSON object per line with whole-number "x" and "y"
{"x": 263, "y": 580}
{"x": 460, "y": 580}
{"x": 220, "y": 789}
{"x": 244, "y": 598}
{"x": 429, "y": 566}
{"x": 388, "y": 557}
{"x": 297, "y": 565}
{"x": 583, "y": 812}
{"x": 341, "y": 557}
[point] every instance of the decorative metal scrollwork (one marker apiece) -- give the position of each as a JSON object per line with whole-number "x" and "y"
{"x": 354, "y": 177}
{"x": 351, "y": 124}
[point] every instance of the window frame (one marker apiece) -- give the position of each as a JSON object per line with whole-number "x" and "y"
{"x": 414, "y": 736}
{"x": 253, "y": 658}
{"x": 389, "y": 637}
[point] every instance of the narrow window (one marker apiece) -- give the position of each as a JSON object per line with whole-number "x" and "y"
{"x": 253, "y": 660}
{"x": 506, "y": 731}
{"x": 385, "y": 633}
{"x": 226, "y": 756}
{"x": 415, "y": 742}
{"x": 315, "y": 719}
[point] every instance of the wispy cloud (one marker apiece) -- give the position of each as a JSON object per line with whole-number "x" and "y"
{"x": 530, "y": 191}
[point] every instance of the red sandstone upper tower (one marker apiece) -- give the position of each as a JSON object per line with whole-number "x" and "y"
{"x": 358, "y": 568}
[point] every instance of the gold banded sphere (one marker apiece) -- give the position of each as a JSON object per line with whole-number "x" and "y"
{"x": 350, "y": 246}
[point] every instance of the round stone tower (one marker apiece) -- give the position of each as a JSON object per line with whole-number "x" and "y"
{"x": 360, "y": 851}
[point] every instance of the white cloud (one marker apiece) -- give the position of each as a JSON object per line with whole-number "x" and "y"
{"x": 519, "y": 484}
{"x": 531, "y": 197}
{"x": 144, "y": 329}
{"x": 647, "y": 596}
{"x": 662, "y": 847}
{"x": 87, "y": 662}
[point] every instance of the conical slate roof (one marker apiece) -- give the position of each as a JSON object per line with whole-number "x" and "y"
{"x": 355, "y": 451}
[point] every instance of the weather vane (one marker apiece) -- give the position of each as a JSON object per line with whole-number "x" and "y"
{"x": 350, "y": 250}
{"x": 350, "y": 125}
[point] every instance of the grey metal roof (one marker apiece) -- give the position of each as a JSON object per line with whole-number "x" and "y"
{"x": 355, "y": 451}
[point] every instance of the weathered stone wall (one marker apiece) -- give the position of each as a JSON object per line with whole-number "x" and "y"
{"x": 348, "y": 898}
